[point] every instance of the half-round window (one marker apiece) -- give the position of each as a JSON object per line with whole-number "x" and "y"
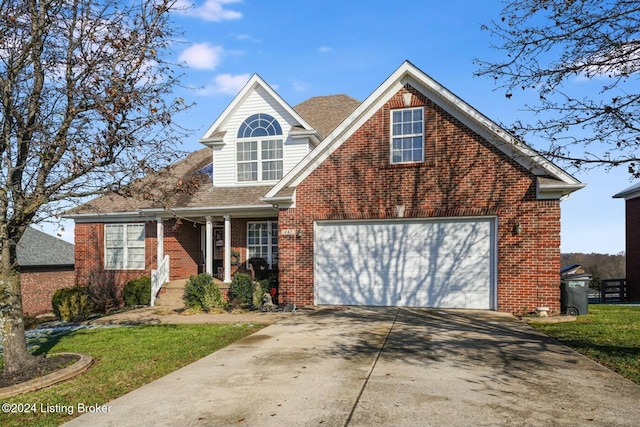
{"x": 259, "y": 125}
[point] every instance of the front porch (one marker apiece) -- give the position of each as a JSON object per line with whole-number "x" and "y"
{"x": 169, "y": 296}
{"x": 217, "y": 245}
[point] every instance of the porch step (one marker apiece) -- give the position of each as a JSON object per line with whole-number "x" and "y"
{"x": 171, "y": 293}
{"x": 175, "y": 284}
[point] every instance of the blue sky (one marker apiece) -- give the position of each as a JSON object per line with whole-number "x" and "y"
{"x": 306, "y": 48}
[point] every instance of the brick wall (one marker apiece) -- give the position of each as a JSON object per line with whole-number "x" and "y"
{"x": 181, "y": 242}
{"x": 632, "y": 213}
{"x": 38, "y": 286}
{"x": 89, "y": 254}
{"x": 462, "y": 175}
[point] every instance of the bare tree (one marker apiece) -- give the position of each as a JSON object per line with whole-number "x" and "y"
{"x": 85, "y": 108}
{"x": 562, "y": 50}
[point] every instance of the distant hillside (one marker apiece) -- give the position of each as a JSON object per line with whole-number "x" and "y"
{"x": 600, "y": 266}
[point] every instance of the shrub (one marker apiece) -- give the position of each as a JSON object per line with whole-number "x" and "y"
{"x": 201, "y": 293}
{"x": 103, "y": 291}
{"x": 137, "y": 291}
{"x": 72, "y": 304}
{"x": 259, "y": 290}
{"x": 242, "y": 289}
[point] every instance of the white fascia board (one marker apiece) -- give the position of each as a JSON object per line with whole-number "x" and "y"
{"x": 106, "y": 217}
{"x": 234, "y": 211}
{"x": 629, "y": 193}
{"x": 311, "y": 135}
{"x": 556, "y": 191}
{"x": 253, "y": 82}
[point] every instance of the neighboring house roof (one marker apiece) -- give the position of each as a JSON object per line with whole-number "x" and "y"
{"x": 38, "y": 249}
{"x": 629, "y": 193}
{"x": 325, "y": 113}
{"x": 556, "y": 182}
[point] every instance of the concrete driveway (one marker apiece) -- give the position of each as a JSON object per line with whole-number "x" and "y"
{"x": 385, "y": 367}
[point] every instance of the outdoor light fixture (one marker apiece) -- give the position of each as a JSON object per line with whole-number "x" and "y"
{"x": 517, "y": 229}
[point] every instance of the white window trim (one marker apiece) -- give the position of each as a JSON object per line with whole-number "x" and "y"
{"x": 392, "y": 137}
{"x": 270, "y": 244}
{"x": 259, "y": 159}
{"x": 125, "y": 246}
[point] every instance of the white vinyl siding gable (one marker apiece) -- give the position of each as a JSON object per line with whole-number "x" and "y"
{"x": 226, "y": 155}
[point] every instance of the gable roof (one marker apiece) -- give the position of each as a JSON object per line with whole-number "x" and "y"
{"x": 325, "y": 113}
{"x": 629, "y": 193}
{"x": 557, "y": 183}
{"x": 213, "y": 134}
{"x": 38, "y": 249}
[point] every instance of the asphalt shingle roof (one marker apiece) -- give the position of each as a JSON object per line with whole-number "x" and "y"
{"x": 325, "y": 113}
{"x": 41, "y": 249}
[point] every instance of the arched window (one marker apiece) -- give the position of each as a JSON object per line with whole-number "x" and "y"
{"x": 258, "y": 149}
{"x": 259, "y": 125}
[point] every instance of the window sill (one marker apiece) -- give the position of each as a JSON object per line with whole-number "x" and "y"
{"x": 409, "y": 165}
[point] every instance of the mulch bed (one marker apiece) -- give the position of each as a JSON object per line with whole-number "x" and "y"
{"x": 44, "y": 367}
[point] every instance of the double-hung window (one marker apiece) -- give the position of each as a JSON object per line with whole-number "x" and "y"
{"x": 262, "y": 241}
{"x": 407, "y": 135}
{"x": 124, "y": 246}
{"x": 259, "y": 149}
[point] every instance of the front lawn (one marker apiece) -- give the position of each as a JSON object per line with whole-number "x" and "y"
{"x": 609, "y": 334}
{"x": 125, "y": 358}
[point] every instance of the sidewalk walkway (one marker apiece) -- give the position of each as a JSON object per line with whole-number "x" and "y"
{"x": 157, "y": 315}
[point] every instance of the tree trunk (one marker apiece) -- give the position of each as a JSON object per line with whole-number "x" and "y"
{"x": 14, "y": 343}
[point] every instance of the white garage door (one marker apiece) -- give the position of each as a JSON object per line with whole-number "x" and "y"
{"x": 412, "y": 263}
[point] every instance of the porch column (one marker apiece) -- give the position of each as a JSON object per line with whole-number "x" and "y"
{"x": 227, "y": 249}
{"x": 159, "y": 240}
{"x": 209, "y": 246}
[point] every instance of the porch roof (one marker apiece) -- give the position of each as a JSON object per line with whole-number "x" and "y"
{"x": 177, "y": 188}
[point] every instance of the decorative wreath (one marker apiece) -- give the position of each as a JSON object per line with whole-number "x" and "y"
{"x": 235, "y": 257}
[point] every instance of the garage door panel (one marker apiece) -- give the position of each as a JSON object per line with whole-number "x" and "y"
{"x": 409, "y": 263}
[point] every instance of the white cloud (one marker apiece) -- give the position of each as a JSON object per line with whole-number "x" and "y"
{"x": 300, "y": 86}
{"x": 210, "y": 10}
{"x": 202, "y": 56}
{"x": 225, "y": 84}
{"x": 247, "y": 37}
{"x": 324, "y": 49}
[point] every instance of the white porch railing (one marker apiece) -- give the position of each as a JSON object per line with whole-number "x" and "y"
{"x": 158, "y": 278}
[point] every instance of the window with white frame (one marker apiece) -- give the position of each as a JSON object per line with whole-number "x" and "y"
{"x": 258, "y": 153}
{"x": 124, "y": 246}
{"x": 262, "y": 241}
{"x": 407, "y": 135}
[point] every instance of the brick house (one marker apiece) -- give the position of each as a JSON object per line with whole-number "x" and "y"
{"x": 410, "y": 198}
{"x": 631, "y": 198}
{"x": 46, "y": 264}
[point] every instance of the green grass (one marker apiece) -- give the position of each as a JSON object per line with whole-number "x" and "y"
{"x": 609, "y": 334}
{"x": 125, "y": 358}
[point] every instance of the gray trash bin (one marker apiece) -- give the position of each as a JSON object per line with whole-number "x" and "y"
{"x": 574, "y": 294}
